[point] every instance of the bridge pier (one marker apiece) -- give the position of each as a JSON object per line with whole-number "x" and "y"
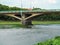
{"x": 27, "y": 22}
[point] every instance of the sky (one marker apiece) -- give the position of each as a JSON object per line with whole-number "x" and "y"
{"x": 44, "y": 4}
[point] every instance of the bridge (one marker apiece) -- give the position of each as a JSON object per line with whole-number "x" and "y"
{"x": 26, "y": 15}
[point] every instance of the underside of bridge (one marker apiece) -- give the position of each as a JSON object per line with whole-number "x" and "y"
{"x": 26, "y": 19}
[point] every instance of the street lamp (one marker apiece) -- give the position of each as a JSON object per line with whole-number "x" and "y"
{"x": 21, "y": 7}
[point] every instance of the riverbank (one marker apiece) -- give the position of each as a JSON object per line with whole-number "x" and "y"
{"x": 33, "y": 22}
{"x": 12, "y": 24}
{"x": 55, "y": 41}
{"x": 45, "y": 22}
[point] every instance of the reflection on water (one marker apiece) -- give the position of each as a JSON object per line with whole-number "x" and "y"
{"x": 28, "y": 36}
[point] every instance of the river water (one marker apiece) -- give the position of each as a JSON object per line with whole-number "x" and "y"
{"x": 28, "y": 36}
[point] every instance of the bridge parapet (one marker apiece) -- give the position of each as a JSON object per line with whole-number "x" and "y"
{"x": 29, "y": 11}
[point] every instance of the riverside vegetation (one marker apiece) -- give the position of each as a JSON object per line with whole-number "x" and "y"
{"x": 54, "y": 41}
{"x": 17, "y": 24}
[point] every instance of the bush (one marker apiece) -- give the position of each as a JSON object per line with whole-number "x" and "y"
{"x": 55, "y": 41}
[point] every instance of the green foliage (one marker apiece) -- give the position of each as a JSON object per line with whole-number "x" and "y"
{"x": 36, "y": 9}
{"x": 55, "y": 41}
{"x": 48, "y": 17}
{"x": 4, "y": 8}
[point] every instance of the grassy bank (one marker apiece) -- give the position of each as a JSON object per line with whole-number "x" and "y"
{"x": 46, "y": 22}
{"x": 55, "y": 41}
{"x": 4, "y": 24}
{"x": 9, "y": 22}
{"x": 33, "y": 22}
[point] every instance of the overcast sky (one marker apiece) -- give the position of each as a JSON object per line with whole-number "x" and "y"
{"x": 46, "y": 4}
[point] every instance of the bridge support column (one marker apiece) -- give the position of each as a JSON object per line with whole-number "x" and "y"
{"x": 27, "y": 22}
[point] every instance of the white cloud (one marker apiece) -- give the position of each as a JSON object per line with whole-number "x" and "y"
{"x": 52, "y": 1}
{"x": 30, "y": 3}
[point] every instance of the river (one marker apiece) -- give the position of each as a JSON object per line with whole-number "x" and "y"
{"x": 28, "y": 36}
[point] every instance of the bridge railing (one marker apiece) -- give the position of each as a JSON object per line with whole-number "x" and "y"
{"x": 17, "y": 11}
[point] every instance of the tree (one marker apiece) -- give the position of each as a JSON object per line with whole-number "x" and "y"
{"x": 36, "y": 9}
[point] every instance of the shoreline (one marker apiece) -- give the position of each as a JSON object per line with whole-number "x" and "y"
{"x": 33, "y": 22}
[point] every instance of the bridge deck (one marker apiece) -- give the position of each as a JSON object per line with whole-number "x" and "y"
{"x": 29, "y": 11}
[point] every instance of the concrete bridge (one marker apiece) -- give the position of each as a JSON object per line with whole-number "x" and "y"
{"x": 26, "y": 15}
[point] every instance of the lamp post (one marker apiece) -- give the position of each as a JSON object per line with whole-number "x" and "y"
{"x": 21, "y": 8}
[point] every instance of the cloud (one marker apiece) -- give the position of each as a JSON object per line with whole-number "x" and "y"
{"x": 52, "y": 1}
{"x": 32, "y": 3}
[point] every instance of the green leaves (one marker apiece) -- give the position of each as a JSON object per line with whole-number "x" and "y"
{"x": 55, "y": 41}
{"x": 7, "y": 8}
